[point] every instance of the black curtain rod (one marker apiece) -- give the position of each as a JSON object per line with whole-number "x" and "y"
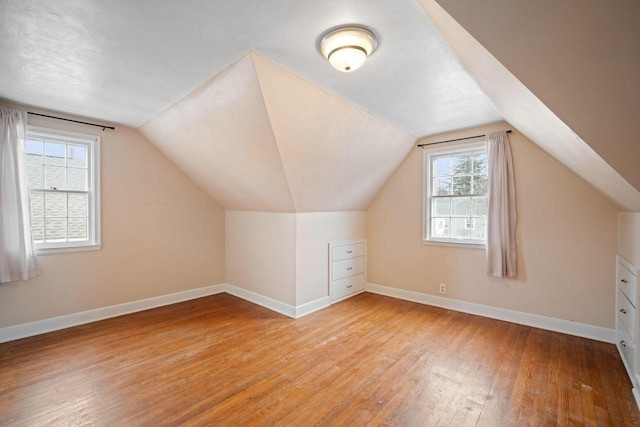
{"x": 458, "y": 139}
{"x": 74, "y": 121}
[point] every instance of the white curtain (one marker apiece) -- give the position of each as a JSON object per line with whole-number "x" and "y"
{"x": 17, "y": 255}
{"x": 501, "y": 221}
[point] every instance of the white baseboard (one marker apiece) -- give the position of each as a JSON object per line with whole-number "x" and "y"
{"x": 549, "y": 323}
{"x": 312, "y": 306}
{"x": 24, "y": 330}
{"x": 270, "y": 303}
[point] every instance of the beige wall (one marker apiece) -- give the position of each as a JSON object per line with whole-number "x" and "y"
{"x": 314, "y": 232}
{"x": 566, "y": 239}
{"x": 629, "y": 237}
{"x": 261, "y": 253}
{"x": 160, "y": 234}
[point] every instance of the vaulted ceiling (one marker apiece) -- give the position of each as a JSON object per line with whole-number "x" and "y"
{"x": 258, "y": 137}
{"x": 237, "y": 94}
{"x": 127, "y": 61}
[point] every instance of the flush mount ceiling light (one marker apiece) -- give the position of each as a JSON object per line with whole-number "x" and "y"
{"x": 346, "y": 48}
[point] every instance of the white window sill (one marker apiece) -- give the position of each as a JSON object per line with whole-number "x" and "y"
{"x": 455, "y": 244}
{"x": 67, "y": 249}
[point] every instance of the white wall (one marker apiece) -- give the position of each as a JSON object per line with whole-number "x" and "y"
{"x": 284, "y": 256}
{"x": 566, "y": 241}
{"x": 314, "y": 232}
{"x": 629, "y": 236}
{"x": 261, "y": 253}
{"x": 160, "y": 234}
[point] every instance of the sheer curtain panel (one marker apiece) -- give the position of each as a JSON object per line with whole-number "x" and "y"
{"x": 501, "y": 221}
{"x": 17, "y": 255}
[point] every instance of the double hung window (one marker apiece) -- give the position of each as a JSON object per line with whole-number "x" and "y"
{"x": 64, "y": 190}
{"x": 456, "y": 194}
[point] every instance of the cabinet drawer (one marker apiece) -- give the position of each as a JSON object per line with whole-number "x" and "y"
{"x": 347, "y": 267}
{"x": 627, "y": 314}
{"x": 626, "y": 282}
{"x": 347, "y": 251}
{"x": 626, "y": 347}
{"x": 344, "y": 287}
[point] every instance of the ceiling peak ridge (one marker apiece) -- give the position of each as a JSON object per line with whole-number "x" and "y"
{"x": 252, "y": 57}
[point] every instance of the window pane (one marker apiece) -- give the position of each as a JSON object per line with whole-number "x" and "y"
{"x": 77, "y": 156}
{"x": 77, "y": 179}
{"x": 78, "y": 205}
{"x": 54, "y": 153}
{"x": 441, "y": 186}
{"x": 55, "y": 177}
{"x": 480, "y": 184}
{"x": 442, "y": 166}
{"x": 461, "y": 164}
{"x": 480, "y": 163}
{"x": 37, "y": 204}
{"x": 440, "y": 227}
{"x": 55, "y": 229}
{"x": 462, "y": 184}
{"x": 35, "y": 175}
{"x": 77, "y": 229}
{"x": 441, "y": 207}
{"x": 34, "y": 147}
{"x": 55, "y": 205}
{"x": 479, "y": 206}
{"x": 37, "y": 229}
{"x": 460, "y": 228}
{"x": 479, "y": 229}
{"x": 460, "y": 206}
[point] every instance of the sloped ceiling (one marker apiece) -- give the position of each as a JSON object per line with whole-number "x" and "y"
{"x": 580, "y": 58}
{"x": 258, "y": 137}
{"x": 579, "y": 147}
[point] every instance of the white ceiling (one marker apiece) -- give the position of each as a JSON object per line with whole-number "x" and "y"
{"x": 128, "y": 61}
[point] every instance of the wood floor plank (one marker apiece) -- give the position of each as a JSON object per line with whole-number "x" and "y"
{"x": 369, "y": 360}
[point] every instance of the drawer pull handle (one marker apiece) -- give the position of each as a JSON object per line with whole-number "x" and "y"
{"x": 623, "y": 280}
{"x": 622, "y": 343}
{"x": 623, "y": 311}
{"x": 349, "y": 268}
{"x": 349, "y": 252}
{"x": 349, "y": 286}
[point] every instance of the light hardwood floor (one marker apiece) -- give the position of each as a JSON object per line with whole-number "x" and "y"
{"x": 370, "y": 360}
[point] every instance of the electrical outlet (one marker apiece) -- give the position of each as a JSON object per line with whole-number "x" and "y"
{"x": 443, "y": 288}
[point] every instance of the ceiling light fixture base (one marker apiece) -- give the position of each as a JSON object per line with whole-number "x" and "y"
{"x": 346, "y": 48}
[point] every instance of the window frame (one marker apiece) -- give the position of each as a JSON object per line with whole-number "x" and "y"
{"x": 92, "y": 142}
{"x": 428, "y": 153}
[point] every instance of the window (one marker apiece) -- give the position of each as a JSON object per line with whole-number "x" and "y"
{"x": 456, "y": 194}
{"x": 63, "y": 172}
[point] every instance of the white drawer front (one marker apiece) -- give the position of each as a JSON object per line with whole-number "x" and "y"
{"x": 626, "y": 348}
{"x": 347, "y": 251}
{"x": 344, "y": 287}
{"x": 627, "y": 282}
{"x": 627, "y": 314}
{"x": 347, "y": 267}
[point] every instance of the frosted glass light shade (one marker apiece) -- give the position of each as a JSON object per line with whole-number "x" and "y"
{"x": 347, "y": 48}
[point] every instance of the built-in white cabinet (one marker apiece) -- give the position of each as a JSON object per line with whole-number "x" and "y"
{"x": 347, "y": 268}
{"x": 627, "y": 319}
